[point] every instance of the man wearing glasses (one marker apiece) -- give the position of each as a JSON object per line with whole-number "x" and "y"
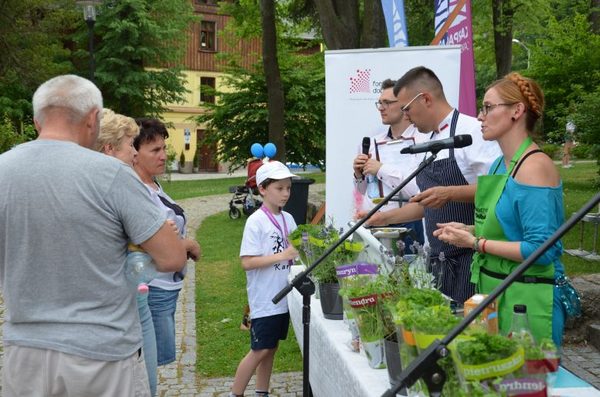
{"x": 378, "y": 173}
{"x": 448, "y": 184}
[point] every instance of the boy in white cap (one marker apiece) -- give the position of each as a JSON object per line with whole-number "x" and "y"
{"x": 266, "y": 257}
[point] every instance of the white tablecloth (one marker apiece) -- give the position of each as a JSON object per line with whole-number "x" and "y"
{"x": 334, "y": 369}
{"x": 337, "y": 371}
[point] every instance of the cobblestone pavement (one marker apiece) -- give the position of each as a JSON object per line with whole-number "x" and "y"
{"x": 179, "y": 379}
{"x": 584, "y": 361}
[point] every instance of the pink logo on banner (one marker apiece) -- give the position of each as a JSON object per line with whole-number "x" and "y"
{"x": 460, "y": 33}
{"x": 360, "y": 82}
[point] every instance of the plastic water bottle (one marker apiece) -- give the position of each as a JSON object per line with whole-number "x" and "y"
{"x": 519, "y": 328}
{"x": 372, "y": 186}
{"x": 139, "y": 269}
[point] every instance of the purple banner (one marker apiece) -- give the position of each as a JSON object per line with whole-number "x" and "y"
{"x": 455, "y": 28}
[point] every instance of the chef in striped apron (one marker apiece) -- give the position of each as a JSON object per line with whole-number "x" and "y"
{"x": 448, "y": 184}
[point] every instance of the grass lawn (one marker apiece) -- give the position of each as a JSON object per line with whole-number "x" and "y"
{"x": 221, "y": 293}
{"x": 579, "y": 187}
{"x": 220, "y": 299}
{"x": 206, "y": 187}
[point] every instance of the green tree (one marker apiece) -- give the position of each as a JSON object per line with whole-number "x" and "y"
{"x": 239, "y": 117}
{"x": 139, "y": 47}
{"x": 275, "y": 96}
{"x": 419, "y": 21}
{"x": 344, "y": 23}
{"x": 273, "y": 22}
{"x": 9, "y": 137}
{"x": 32, "y": 44}
{"x": 566, "y": 63}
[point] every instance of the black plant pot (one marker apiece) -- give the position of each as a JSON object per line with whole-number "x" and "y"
{"x": 392, "y": 360}
{"x": 331, "y": 301}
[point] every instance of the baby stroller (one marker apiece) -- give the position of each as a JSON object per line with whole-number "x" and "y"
{"x": 247, "y": 195}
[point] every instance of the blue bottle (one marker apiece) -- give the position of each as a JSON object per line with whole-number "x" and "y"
{"x": 139, "y": 268}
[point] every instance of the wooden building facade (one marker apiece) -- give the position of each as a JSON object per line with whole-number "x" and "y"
{"x": 203, "y": 68}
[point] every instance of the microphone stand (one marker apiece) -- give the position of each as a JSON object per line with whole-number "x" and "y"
{"x": 425, "y": 366}
{"x": 306, "y": 287}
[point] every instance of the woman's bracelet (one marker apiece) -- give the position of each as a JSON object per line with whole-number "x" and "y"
{"x": 476, "y": 244}
{"x": 483, "y": 246}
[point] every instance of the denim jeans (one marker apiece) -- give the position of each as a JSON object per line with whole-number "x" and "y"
{"x": 149, "y": 347}
{"x": 162, "y": 305}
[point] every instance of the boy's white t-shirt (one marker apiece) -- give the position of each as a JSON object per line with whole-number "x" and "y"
{"x": 262, "y": 238}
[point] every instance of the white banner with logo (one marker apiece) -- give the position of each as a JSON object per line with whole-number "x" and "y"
{"x": 352, "y": 86}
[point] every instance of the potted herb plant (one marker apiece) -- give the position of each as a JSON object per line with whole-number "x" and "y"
{"x": 307, "y": 240}
{"x": 542, "y": 358}
{"x": 490, "y": 360}
{"x": 411, "y": 302}
{"x": 349, "y": 276}
{"x": 312, "y": 242}
{"x": 391, "y": 287}
{"x": 365, "y": 300}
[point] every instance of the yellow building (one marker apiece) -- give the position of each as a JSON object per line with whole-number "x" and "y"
{"x": 203, "y": 69}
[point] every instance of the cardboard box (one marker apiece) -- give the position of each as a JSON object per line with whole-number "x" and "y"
{"x": 488, "y": 319}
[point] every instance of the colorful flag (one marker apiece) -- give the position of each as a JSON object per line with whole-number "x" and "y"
{"x": 453, "y": 26}
{"x": 393, "y": 11}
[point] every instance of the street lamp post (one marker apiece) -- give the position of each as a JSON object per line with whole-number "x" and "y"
{"x": 89, "y": 14}
{"x": 526, "y": 49}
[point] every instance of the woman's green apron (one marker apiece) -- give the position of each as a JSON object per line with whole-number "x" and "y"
{"x": 535, "y": 288}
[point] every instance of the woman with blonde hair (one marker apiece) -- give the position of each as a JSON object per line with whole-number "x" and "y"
{"x": 116, "y": 136}
{"x": 518, "y": 205}
{"x": 117, "y": 133}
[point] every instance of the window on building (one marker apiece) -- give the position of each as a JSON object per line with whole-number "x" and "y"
{"x": 208, "y": 36}
{"x": 204, "y": 96}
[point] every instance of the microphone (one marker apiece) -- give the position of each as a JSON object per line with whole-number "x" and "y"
{"x": 366, "y": 144}
{"x": 458, "y": 141}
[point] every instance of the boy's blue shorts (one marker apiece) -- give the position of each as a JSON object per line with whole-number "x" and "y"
{"x": 266, "y": 332}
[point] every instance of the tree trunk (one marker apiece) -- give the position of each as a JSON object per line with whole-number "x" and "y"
{"x": 275, "y": 97}
{"x": 595, "y": 16}
{"x": 502, "y": 15}
{"x": 374, "y": 33}
{"x": 339, "y": 23}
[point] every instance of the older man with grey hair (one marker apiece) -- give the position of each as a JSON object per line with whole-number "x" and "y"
{"x": 67, "y": 214}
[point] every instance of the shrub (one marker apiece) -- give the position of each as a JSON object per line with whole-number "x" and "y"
{"x": 9, "y": 137}
{"x": 551, "y": 150}
{"x": 196, "y": 161}
{"x": 582, "y": 151}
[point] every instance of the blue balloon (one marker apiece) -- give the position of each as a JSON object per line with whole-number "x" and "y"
{"x": 270, "y": 150}
{"x": 257, "y": 150}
